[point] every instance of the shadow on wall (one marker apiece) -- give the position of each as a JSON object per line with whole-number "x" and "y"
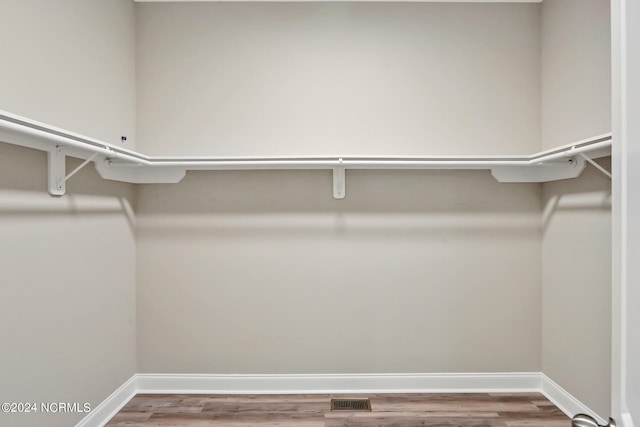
{"x": 23, "y": 189}
{"x": 451, "y": 199}
{"x": 367, "y": 191}
{"x": 591, "y": 192}
{"x": 440, "y": 270}
{"x": 419, "y": 204}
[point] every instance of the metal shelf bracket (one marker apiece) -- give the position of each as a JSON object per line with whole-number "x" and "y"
{"x": 595, "y": 165}
{"x": 56, "y": 160}
{"x": 57, "y": 176}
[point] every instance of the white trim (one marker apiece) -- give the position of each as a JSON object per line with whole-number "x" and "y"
{"x": 565, "y": 401}
{"x": 499, "y": 382}
{"x": 102, "y": 413}
{"x": 620, "y": 214}
{"x": 338, "y": 383}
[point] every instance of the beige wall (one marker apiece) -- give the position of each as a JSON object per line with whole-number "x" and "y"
{"x": 67, "y": 312}
{"x": 576, "y": 250}
{"x": 68, "y": 63}
{"x": 576, "y": 302}
{"x": 338, "y": 78}
{"x": 576, "y": 70}
{"x": 264, "y": 272}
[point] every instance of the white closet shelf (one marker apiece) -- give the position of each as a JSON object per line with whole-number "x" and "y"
{"x": 119, "y": 164}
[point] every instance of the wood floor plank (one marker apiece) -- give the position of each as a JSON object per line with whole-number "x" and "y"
{"x": 313, "y": 410}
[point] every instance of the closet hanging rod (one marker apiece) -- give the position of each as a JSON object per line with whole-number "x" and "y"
{"x": 356, "y": 162}
{"x": 119, "y": 164}
{"x": 49, "y": 138}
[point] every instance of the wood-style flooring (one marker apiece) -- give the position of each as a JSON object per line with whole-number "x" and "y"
{"x": 388, "y": 410}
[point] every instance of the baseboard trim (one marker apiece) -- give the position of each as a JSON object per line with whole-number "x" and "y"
{"x": 565, "y": 401}
{"x": 102, "y": 413}
{"x": 338, "y": 383}
{"x": 508, "y": 382}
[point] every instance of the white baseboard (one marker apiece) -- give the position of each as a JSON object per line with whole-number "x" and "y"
{"x": 102, "y": 413}
{"x": 336, "y": 383}
{"x": 565, "y": 401}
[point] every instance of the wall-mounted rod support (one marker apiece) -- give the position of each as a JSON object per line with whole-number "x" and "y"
{"x": 56, "y": 169}
{"x": 595, "y": 165}
{"x": 339, "y": 183}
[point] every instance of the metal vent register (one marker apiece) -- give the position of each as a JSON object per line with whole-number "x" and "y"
{"x": 350, "y": 405}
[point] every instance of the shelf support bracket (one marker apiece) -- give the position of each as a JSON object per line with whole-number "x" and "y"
{"x": 595, "y": 165}
{"x": 339, "y": 184}
{"x": 56, "y": 160}
{"x": 76, "y": 170}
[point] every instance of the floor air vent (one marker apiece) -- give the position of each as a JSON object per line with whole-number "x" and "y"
{"x": 350, "y": 405}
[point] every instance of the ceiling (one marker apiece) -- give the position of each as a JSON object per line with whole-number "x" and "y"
{"x": 334, "y": 1}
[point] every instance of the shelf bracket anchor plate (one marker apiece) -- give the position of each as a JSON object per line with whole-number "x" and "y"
{"x": 540, "y": 172}
{"x": 56, "y": 161}
{"x": 339, "y": 184}
{"x": 136, "y": 174}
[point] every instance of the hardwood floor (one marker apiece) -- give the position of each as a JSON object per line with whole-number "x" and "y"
{"x": 388, "y": 410}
